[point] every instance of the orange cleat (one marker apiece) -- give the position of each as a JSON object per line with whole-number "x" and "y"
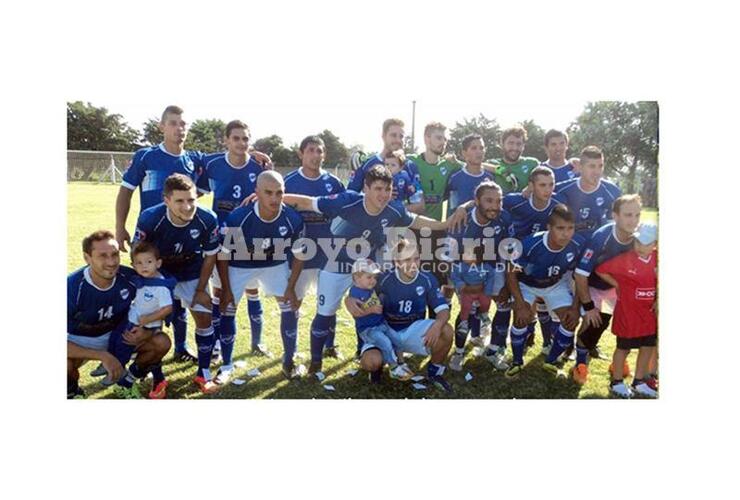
{"x": 160, "y": 391}
{"x": 205, "y": 386}
{"x": 580, "y": 373}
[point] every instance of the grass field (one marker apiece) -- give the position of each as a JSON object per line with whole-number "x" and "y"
{"x": 91, "y": 207}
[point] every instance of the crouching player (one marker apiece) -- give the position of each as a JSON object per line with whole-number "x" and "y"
{"x": 544, "y": 270}
{"x": 634, "y": 275}
{"x": 256, "y": 237}
{"x": 98, "y": 298}
{"x": 405, "y": 293}
{"x": 371, "y": 326}
{"x": 152, "y": 304}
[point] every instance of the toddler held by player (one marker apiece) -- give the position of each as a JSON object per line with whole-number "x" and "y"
{"x": 473, "y": 272}
{"x": 403, "y": 185}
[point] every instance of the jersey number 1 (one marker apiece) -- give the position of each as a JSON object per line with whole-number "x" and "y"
{"x": 104, "y": 313}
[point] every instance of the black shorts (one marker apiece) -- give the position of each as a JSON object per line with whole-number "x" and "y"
{"x": 637, "y": 342}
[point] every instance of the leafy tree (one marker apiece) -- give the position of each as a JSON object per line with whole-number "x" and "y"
{"x": 336, "y": 152}
{"x": 206, "y": 136}
{"x": 535, "y": 140}
{"x": 488, "y": 128}
{"x": 95, "y": 129}
{"x": 282, "y": 157}
{"x": 628, "y": 134}
{"x": 152, "y": 134}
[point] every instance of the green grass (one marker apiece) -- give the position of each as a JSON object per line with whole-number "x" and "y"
{"x": 91, "y": 206}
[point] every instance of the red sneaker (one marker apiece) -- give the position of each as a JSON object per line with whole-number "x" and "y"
{"x": 159, "y": 391}
{"x": 580, "y": 373}
{"x": 652, "y": 382}
{"x": 205, "y": 386}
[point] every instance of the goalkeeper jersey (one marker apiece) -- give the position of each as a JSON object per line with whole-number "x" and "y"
{"x": 513, "y": 177}
{"x": 433, "y": 182}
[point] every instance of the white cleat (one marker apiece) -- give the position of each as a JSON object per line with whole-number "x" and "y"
{"x": 456, "y": 361}
{"x": 621, "y": 390}
{"x": 498, "y": 360}
{"x": 644, "y": 390}
{"x": 224, "y": 376}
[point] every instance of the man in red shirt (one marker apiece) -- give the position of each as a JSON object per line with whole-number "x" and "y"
{"x": 634, "y": 274}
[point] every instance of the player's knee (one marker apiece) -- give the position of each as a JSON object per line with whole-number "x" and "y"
{"x": 448, "y": 333}
{"x": 371, "y": 360}
{"x": 161, "y": 343}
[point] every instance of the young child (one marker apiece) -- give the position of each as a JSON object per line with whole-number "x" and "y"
{"x": 403, "y": 185}
{"x": 152, "y": 304}
{"x": 371, "y": 326}
{"x": 634, "y": 274}
{"x": 472, "y": 271}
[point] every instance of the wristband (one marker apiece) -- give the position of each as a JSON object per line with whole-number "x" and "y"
{"x": 587, "y": 306}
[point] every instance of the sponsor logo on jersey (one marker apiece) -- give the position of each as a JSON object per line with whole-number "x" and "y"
{"x": 194, "y": 233}
{"x": 632, "y": 271}
{"x": 497, "y": 230}
{"x": 139, "y": 235}
{"x": 283, "y": 230}
{"x": 328, "y": 187}
{"x": 571, "y": 174}
{"x": 588, "y": 254}
{"x": 148, "y": 296}
{"x": 645, "y": 293}
{"x": 569, "y": 256}
{"x": 332, "y": 196}
{"x": 252, "y": 177}
{"x": 599, "y": 201}
{"x": 419, "y": 290}
{"x": 124, "y": 293}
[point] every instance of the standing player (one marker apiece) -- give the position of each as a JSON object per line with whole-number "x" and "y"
{"x": 184, "y": 232}
{"x": 405, "y": 293}
{"x": 487, "y": 225}
{"x": 556, "y": 147}
{"x": 358, "y": 220}
{"x": 513, "y": 168}
{"x": 311, "y": 180}
{"x": 589, "y": 196}
{"x": 98, "y": 299}
{"x": 232, "y": 176}
{"x": 543, "y": 270}
{"x": 598, "y": 297}
{"x": 461, "y": 185}
{"x": 255, "y": 242}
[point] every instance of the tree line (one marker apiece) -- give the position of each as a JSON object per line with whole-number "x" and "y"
{"x": 626, "y": 131}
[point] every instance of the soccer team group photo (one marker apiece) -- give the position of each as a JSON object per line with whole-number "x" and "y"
{"x": 473, "y": 260}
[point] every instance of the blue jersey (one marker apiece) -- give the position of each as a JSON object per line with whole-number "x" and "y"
{"x": 527, "y": 219}
{"x": 602, "y": 246}
{"x": 542, "y": 267}
{"x": 180, "y": 247}
{"x": 563, "y": 172}
{"x": 462, "y": 273}
{"x": 92, "y": 311}
{"x": 151, "y": 166}
{"x": 405, "y": 302}
{"x": 351, "y": 220}
{"x": 461, "y": 187}
{"x": 357, "y": 178}
{"x": 367, "y": 298}
{"x": 229, "y": 184}
{"x": 486, "y": 237}
{"x": 267, "y": 243}
{"x": 593, "y": 209}
{"x": 405, "y": 188}
{"x": 316, "y": 225}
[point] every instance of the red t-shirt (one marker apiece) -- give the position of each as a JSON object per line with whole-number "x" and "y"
{"x": 637, "y": 279}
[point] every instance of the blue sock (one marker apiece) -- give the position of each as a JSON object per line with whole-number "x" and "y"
{"x": 288, "y": 332}
{"x": 228, "y": 334}
{"x": 157, "y": 374}
{"x": 501, "y": 321}
{"x": 129, "y": 377}
{"x": 563, "y": 339}
{"x": 330, "y": 339}
{"x": 254, "y": 310}
{"x": 216, "y": 316}
{"x": 474, "y": 323}
{"x": 204, "y": 339}
{"x": 319, "y": 331}
{"x": 435, "y": 369}
{"x": 545, "y": 326}
{"x": 518, "y": 339}
{"x": 581, "y": 355}
{"x": 179, "y": 325}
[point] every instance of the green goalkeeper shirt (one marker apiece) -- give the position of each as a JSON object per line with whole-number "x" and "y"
{"x": 433, "y": 182}
{"x": 513, "y": 177}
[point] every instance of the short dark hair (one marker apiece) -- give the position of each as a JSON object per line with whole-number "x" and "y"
{"x": 516, "y": 131}
{"x": 540, "y": 170}
{"x": 378, "y": 173}
{"x": 390, "y": 122}
{"x": 144, "y": 247}
{"x": 562, "y": 212}
{"x": 470, "y": 138}
{"x": 171, "y": 110}
{"x": 99, "y": 235}
{"x": 177, "y": 182}
{"x": 592, "y": 153}
{"x": 485, "y": 186}
{"x": 553, "y": 134}
{"x": 311, "y": 139}
{"x": 432, "y": 126}
{"x": 237, "y": 124}
{"x": 625, "y": 198}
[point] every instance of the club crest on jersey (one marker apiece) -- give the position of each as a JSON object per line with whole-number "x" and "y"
{"x": 328, "y": 187}
{"x": 148, "y": 296}
{"x": 194, "y": 233}
{"x": 525, "y": 169}
{"x": 124, "y": 293}
{"x": 283, "y": 230}
{"x": 443, "y": 170}
{"x": 383, "y": 222}
{"x": 419, "y": 290}
{"x": 189, "y": 166}
{"x": 569, "y": 256}
{"x": 252, "y": 177}
{"x": 599, "y": 201}
{"x": 497, "y": 230}
{"x": 571, "y": 174}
